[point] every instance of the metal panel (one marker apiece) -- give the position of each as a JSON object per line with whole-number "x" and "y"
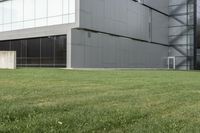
{"x": 97, "y": 50}
{"x": 161, "y": 5}
{"x": 126, "y": 18}
{"x": 159, "y": 28}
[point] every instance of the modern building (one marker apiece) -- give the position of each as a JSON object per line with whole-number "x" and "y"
{"x": 101, "y": 33}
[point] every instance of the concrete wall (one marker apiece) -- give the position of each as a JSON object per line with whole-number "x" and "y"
{"x": 7, "y": 59}
{"x": 97, "y": 50}
{"x": 36, "y": 32}
{"x": 125, "y": 18}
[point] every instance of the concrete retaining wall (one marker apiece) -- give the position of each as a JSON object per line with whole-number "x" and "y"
{"x": 7, "y": 59}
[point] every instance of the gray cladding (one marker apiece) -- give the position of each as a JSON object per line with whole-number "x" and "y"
{"x": 159, "y": 28}
{"x": 120, "y": 17}
{"x": 97, "y": 50}
{"x": 125, "y": 18}
{"x": 161, "y": 5}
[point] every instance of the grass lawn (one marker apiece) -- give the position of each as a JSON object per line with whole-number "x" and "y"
{"x": 116, "y": 101}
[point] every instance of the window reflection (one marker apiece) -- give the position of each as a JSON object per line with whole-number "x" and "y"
{"x": 38, "y": 52}
{"x": 54, "y": 7}
{"x": 18, "y": 25}
{"x": 17, "y": 10}
{"x": 7, "y": 27}
{"x": 41, "y": 22}
{"x": 29, "y": 24}
{"x": 20, "y": 14}
{"x": 7, "y": 11}
{"x": 55, "y": 20}
{"x": 41, "y": 8}
{"x": 71, "y": 6}
{"x": 1, "y": 13}
{"x": 29, "y": 9}
{"x": 66, "y": 6}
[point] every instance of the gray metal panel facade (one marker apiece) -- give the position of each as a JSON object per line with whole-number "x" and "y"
{"x": 98, "y": 50}
{"x": 120, "y": 17}
{"x": 159, "y": 28}
{"x": 161, "y": 5}
{"x": 124, "y": 17}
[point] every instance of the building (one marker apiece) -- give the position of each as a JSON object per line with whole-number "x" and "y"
{"x": 101, "y": 33}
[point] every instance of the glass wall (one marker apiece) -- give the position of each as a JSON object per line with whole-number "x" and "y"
{"x": 21, "y": 14}
{"x": 198, "y": 23}
{"x": 42, "y": 52}
{"x": 197, "y": 36}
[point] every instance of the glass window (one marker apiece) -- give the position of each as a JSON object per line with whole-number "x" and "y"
{"x": 18, "y": 25}
{"x": 41, "y": 8}
{"x": 1, "y": 13}
{"x": 23, "y": 53}
{"x": 47, "y": 51}
{"x": 33, "y": 52}
{"x": 54, "y": 7}
{"x": 16, "y": 46}
{"x": 55, "y": 20}
{"x": 71, "y": 18}
{"x": 60, "y": 50}
{"x": 5, "y": 45}
{"x": 6, "y": 27}
{"x": 1, "y": 28}
{"x": 71, "y": 6}
{"x": 7, "y": 12}
{"x": 19, "y": 14}
{"x": 66, "y": 6}
{"x": 66, "y": 19}
{"x": 17, "y": 10}
{"x": 29, "y": 6}
{"x": 29, "y": 24}
{"x": 40, "y": 22}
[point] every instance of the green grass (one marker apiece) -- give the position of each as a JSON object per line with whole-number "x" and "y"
{"x": 56, "y": 100}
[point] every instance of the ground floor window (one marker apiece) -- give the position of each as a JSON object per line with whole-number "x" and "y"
{"x": 38, "y": 52}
